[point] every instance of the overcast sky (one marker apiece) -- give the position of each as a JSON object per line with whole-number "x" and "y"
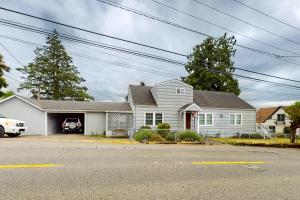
{"x": 110, "y": 82}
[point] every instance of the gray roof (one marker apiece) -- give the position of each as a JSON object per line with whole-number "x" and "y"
{"x": 141, "y": 95}
{"x": 79, "y": 105}
{"x": 212, "y": 99}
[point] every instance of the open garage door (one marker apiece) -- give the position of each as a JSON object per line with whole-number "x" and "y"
{"x": 56, "y": 120}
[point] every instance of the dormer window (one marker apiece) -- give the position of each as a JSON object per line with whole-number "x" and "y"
{"x": 180, "y": 91}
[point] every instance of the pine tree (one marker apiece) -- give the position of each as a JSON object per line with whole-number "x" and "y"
{"x": 210, "y": 66}
{"x": 52, "y": 74}
{"x": 3, "y": 68}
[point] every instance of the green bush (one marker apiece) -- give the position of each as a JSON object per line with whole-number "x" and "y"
{"x": 145, "y": 127}
{"x": 170, "y": 136}
{"x": 252, "y": 136}
{"x": 189, "y": 135}
{"x": 278, "y": 135}
{"x": 143, "y": 135}
{"x": 156, "y": 138}
{"x": 163, "y": 129}
{"x": 287, "y": 130}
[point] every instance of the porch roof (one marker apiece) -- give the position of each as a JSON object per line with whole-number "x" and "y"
{"x": 190, "y": 107}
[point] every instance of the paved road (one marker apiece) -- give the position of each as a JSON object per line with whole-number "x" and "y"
{"x": 100, "y": 171}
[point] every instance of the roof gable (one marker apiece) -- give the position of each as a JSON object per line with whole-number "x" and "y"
{"x": 172, "y": 81}
{"x": 263, "y": 114}
{"x": 142, "y": 95}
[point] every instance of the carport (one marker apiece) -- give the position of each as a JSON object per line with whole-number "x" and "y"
{"x": 56, "y": 119}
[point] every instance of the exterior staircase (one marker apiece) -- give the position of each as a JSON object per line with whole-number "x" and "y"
{"x": 264, "y": 131}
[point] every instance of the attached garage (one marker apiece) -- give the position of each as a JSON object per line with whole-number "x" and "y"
{"x": 45, "y": 117}
{"x": 55, "y": 121}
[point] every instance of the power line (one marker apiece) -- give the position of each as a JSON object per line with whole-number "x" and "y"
{"x": 267, "y": 15}
{"x": 89, "y": 31}
{"x": 75, "y": 39}
{"x": 75, "y": 53}
{"x": 135, "y": 11}
{"x": 89, "y": 42}
{"x": 12, "y": 55}
{"x": 222, "y": 27}
{"x": 246, "y": 22}
{"x": 145, "y": 70}
{"x": 172, "y": 61}
{"x": 95, "y": 59}
{"x": 270, "y": 92}
{"x": 131, "y": 52}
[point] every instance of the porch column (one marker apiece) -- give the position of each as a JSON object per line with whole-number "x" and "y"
{"x": 184, "y": 120}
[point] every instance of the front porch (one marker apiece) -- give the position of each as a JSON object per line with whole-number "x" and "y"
{"x": 188, "y": 117}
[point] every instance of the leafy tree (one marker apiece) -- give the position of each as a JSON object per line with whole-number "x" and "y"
{"x": 293, "y": 112}
{"x": 210, "y": 66}
{"x": 142, "y": 83}
{"x": 7, "y": 94}
{"x": 3, "y": 68}
{"x": 52, "y": 74}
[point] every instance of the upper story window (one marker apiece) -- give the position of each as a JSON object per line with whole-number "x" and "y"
{"x": 235, "y": 119}
{"x": 180, "y": 91}
{"x": 281, "y": 117}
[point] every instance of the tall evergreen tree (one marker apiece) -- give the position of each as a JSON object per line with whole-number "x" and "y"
{"x": 210, "y": 66}
{"x": 3, "y": 68}
{"x": 52, "y": 74}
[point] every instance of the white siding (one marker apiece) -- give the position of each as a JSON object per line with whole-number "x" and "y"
{"x": 17, "y": 109}
{"x": 279, "y": 127}
{"x": 221, "y": 121}
{"x": 168, "y": 103}
{"x": 95, "y": 123}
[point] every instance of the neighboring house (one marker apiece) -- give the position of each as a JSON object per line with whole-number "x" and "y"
{"x": 181, "y": 106}
{"x": 173, "y": 102}
{"x": 275, "y": 118}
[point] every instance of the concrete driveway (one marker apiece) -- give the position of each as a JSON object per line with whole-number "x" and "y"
{"x": 72, "y": 169}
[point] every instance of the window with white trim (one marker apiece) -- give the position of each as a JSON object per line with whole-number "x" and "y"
{"x": 201, "y": 119}
{"x": 232, "y": 119}
{"x": 152, "y": 119}
{"x": 209, "y": 119}
{"x": 238, "y": 119}
{"x": 235, "y": 119}
{"x": 158, "y": 118}
{"x": 205, "y": 119}
{"x": 149, "y": 119}
{"x": 180, "y": 91}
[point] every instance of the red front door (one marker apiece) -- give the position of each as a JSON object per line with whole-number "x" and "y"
{"x": 188, "y": 121}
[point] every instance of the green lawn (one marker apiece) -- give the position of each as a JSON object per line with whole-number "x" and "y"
{"x": 253, "y": 141}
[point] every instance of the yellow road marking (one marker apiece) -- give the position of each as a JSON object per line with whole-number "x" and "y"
{"x": 29, "y": 166}
{"x": 227, "y": 163}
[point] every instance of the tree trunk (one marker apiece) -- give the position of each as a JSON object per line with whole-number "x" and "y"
{"x": 293, "y": 132}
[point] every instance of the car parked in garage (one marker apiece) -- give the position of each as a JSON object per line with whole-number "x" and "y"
{"x": 11, "y": 127}
{"x": 72, "y": 125}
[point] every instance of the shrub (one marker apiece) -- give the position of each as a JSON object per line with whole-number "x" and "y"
{"x": 170, "y": 136}
{"x": 163, "y": 129}
{"x": 252, "y": 136}
{"x": 156, "y": 138}
{"x": 189, "y": 136}
{"x": 145, "y": 127}
{"x": 143, "y": 135}
{"x": 287, "y": 130}
{"x": 279, "y": 135}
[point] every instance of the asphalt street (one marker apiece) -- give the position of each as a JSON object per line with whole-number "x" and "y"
{"x": 89, "y": 170}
